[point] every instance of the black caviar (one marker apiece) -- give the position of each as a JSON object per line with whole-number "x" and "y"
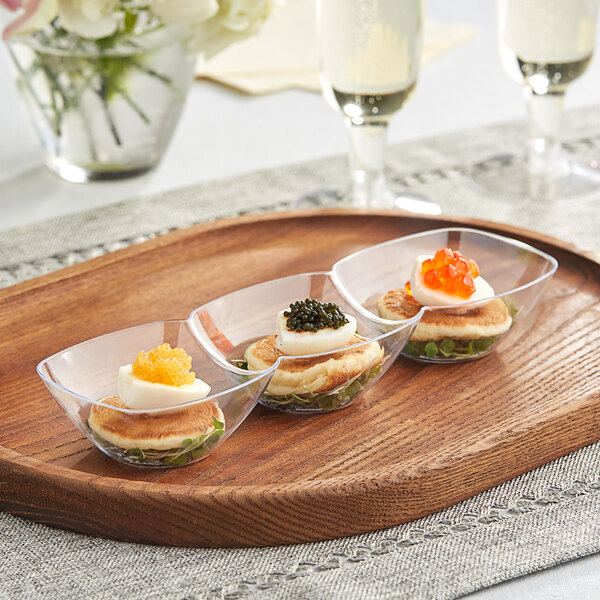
{"x": 312, "y": 315}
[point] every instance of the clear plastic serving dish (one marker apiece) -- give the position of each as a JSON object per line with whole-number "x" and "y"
{"x": 232, "y": 343}
{"x": 82, "y": 377}
{"x": 308, "y": 384}
{"x": 373, "y": 282}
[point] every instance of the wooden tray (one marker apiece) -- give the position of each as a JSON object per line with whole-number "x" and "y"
{"x": 424, "y": 438}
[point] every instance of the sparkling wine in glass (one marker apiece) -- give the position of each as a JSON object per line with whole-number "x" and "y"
{"x": 545, "y": 45}
{"x": 370, "y": 52}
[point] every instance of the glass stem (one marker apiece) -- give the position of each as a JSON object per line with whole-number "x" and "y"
{"x": 368, "y": 142}
{"x": 544, "y": 148}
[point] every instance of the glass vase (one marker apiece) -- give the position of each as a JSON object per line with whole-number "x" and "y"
{"x": 103, "y": 109}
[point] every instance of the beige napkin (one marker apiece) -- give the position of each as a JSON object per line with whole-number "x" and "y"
{"x": 283, "y": 55}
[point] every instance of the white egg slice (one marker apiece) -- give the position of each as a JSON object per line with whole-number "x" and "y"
{"x": 138, "y": 394}
{"x": 426, "y": 296}
{"x": 293, "y": 343}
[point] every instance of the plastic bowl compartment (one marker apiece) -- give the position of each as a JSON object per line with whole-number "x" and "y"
{"x": 305, "y": 384}
{"x": 84, "y": 375}
{"x": 516, "y": 271}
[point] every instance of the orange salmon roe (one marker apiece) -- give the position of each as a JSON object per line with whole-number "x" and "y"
{"x": 170, "y": 366}
{"x": 450, "y": 272}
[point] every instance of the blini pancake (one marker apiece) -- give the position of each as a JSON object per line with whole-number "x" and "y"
{"x": 481, "y": 321}
{"x": 302, "y": 376}
{"x": 147, "y": 431}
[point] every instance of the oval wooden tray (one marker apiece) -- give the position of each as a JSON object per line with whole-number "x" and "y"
{"x": 424, "y": 438}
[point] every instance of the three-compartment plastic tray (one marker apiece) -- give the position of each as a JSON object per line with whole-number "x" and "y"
{"x": 423, "y": 437}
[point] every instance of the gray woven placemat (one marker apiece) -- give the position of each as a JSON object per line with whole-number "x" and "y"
{"x": 543, "y": 518}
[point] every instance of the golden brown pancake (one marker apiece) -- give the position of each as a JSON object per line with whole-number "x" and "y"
{"x": 482, "y": 321}
{"x": 162, "y": 431}
{"x": 304, "y": 376}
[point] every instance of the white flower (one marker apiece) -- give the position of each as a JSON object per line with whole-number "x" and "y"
{"x": 92, "y": 19}
{"x": 190, "y": 11}
{"x": 36, "y": 14}
{"x": 236, "y": 20}
{"x": 216, "y": 23}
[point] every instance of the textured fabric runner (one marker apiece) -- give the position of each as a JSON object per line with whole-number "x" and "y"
{"x": 535, "y": 521}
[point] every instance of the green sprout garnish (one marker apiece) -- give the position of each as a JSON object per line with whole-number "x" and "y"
{"x": 325, "y": 401}
{"x": 191, "y": 449}
{"x": 240, "y": 363}
{"x": 454, "y": 348}
{"x": 449, "y": 348}
{"x": 430, "y": 349}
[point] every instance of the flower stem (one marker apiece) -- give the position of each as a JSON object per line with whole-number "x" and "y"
{"x": 133, "y": 105}
{"x": 25, "y": 79}
{"x": 166, "y": 80}
{"x": 90, "y": 136}
{"x": 55, "y": 88}
{"x": 113, "y": 128}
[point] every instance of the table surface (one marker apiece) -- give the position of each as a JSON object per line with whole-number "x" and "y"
{"x": 223, "y": 133}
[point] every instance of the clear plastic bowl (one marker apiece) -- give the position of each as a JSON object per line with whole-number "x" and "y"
{"x": 517, "y": 272}
{"x": 308, "y": 384}
{"x": 82, "y": 376}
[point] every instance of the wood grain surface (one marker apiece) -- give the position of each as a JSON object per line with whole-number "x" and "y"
{"x": 424, "y": 438}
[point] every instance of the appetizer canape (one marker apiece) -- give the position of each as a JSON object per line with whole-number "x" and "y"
{"x": 446, "y": 280}
{"x": 326, "y": 362}
{"x": 158, "y": 379}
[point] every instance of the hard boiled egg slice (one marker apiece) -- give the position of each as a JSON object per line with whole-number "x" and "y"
{"x": 293, "y": 343}
{"x": 426, "y": 296}
{"x": 136, "y": 393}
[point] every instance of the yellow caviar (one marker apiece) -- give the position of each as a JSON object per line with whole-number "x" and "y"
{"x": 170, "y": 366}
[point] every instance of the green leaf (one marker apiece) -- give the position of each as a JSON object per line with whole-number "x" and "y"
{"x": 431, "y": 349}
{"x": 136, "y": 452}
{"x": 481, "y": 345}
{"x": 241, "y": 364}
{"x": 446, "y": 346}
{"x": 412, "y": 349}
{"x": 330, "y": 399}
{"x": 327, "y": 402}
{"x": 181, "y": 459}
{"x": 130, "y": 21}
{"x": 353, "y": 389}
{"x": 374, "y": 372}
{"x": 187, "y": 442}
{"x": 512, "y": 309}
{"x": 449, "y": 348}
{"x": 219, "y": 425}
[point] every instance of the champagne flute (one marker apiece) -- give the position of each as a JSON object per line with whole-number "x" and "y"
{"x": 370, "y": 52}
{"x": 545, "y": 45}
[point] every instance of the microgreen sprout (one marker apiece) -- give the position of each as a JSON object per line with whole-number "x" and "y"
{"x": 328, "y": 400}
{"x": 191, "y": 449}
{"x": 456, "y": 348}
